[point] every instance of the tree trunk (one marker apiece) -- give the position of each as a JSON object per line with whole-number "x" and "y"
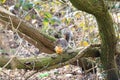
{"x": 107, "y": 33}
{"x": 108, "y": 47}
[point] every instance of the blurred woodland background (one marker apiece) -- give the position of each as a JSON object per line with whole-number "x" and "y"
{"x": 30, "y": 28}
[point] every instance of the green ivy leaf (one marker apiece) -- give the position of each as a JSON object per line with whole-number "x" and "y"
{"x": 48, "y": 15}
{"x": 43, "y": 75}
{"x": 45, "y": 20}
{"x": 55, "y": 20}
{"x": 27, "y": 6}
{"x": 2, "y": 51}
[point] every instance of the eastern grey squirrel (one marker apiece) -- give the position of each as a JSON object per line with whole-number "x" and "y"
{"x": 62, "y": 42}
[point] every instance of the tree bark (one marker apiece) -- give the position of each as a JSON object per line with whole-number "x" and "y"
{"x": 106, "y": 31}
{"x": 108, "y": 47}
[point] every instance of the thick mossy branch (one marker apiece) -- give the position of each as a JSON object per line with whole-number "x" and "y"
{"x": 106, "y": 31}
{"x": 89, "y": 6}
{"x": 108, "y": 46}
{"x": 44, "y": 42}
{"x": 49, "y": 61}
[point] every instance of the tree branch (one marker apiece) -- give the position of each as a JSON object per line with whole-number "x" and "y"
{"x": 50, "y": 61}
{"x": 41, "y": 40}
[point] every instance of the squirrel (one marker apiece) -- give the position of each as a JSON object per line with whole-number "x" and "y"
{"x": 62, "y": 43}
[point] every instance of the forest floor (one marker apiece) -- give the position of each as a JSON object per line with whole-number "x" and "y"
{"x": 67, "y": 72}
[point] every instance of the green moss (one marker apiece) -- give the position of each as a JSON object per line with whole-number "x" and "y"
{"x": 48, "y": 36}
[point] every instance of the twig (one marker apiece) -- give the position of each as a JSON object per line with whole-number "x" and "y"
{"x": 91, "y": 69}
{"x": 30, "y": 75}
